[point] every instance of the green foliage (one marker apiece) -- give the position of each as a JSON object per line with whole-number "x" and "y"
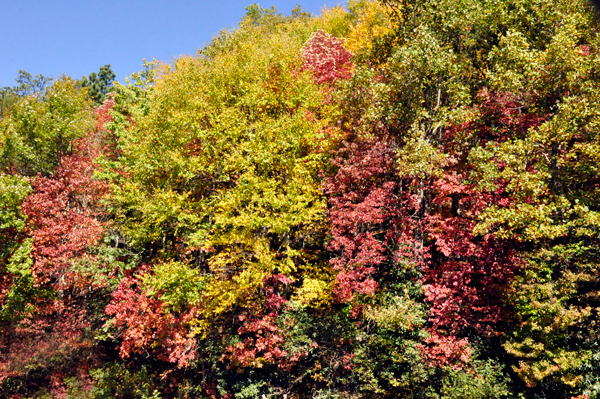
{"x": 15, "y": 249}
{"x": 257, "y": 15}
{"x": 401, "y": 313}
{"x": 108, "y": 262}
{"x": 40, "y": 129}
{"x": 13, "y": 190}
{"x": 18, "y": 299}
{"x": 30, "y": 85}
{"x": 485, "y": 380}
{"x": 550, "y": 172}
{"x": 99, "y": 85}
{"x": 115, "y": 381}
{"x": 7, "y": 100}
{"x": 27, "y": 85}
{"x": 175, "y": 283}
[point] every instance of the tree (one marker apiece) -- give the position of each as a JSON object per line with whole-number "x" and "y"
{"x": 47, "y": 314}
{"x": 459, "y": 102}
{"x": 39, "y": 130}
{"x": 28, "y": 85}
{"x": 99, "y": 85}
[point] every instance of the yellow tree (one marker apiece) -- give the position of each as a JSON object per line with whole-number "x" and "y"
{"x": 219, "y": 158}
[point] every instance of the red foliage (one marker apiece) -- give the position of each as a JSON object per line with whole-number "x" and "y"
{"x": 262, "y": 346}
{"x": 465, "y": 278}
{"x": 6, "y": 282}
{"x": 271, "y": 286}
{"x": 102, "y": 112}
{"x": 368, "y": 216}
{"x": 465, "y": 281}
{"x": 440, "y": 350}
{"x": 325, "y": 56}
{"x": 145, "y": 325}
{"x": 50, "y": 340}
{"x": 380, "y": 219}
{"x": 262, "y": 337}
{"x": 62, "y": 212}
{"x": 502, "y": 116}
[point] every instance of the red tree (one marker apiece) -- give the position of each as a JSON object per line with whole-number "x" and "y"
{"x": 367, "y": 215}
{"x": 325, "y": 56}
{"x": 145, "y": 325}
{"x": 262, "y": 338}
{"x": 64, "y": 223}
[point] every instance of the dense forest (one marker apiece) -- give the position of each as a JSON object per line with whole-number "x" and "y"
{"x": 393, "y": 199}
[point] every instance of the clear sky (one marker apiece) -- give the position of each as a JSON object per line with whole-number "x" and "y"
{"x": 76, "y": 37}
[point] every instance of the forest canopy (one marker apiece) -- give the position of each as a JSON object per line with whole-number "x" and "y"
{"x": 397, "y": 198}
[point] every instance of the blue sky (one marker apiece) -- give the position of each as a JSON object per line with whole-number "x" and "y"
{"x": 76, "y": 37}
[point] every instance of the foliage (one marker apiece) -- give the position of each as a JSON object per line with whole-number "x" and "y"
{"x": 485, "y": 381}
{"x": 394, "y": 200}
{"x": 39, "y": 130}
{"x": 99, "y": 85}
{"x": 48, "y": 312}
{"x": 27, "y": 85}
{"x": 31, "y": 85}
{"x": 232, "y": 184}
{"x": 15, "y": 246}
{"x": 325, "y": 56}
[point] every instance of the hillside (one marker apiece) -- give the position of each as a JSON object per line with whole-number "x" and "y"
{"x": 394, "y": 199}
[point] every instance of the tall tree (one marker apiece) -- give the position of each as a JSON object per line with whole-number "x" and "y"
{"x": 40, "y": 129}
{"x": 27, "y": 84}
{"x": 100, "y": 84}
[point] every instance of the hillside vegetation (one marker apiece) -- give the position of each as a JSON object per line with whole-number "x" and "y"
{"x": 395, "y": 199}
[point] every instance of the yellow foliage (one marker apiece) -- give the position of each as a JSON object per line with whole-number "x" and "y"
{"x": 226, "y": 156}
{"x": 402, "y": 313}
{"x": 373, "y": 20}
{"x": 314, "y": 293}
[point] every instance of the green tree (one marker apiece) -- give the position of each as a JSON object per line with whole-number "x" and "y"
{"x": 40, "y": 129}
{"x": 100, "y": 84}
{"x": 31, "y": 85}
{"x": 7, "y": 99}
{"x": 27, "y": 85}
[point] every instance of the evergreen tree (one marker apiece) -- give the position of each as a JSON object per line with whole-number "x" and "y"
{"x": 99, "y": 84}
